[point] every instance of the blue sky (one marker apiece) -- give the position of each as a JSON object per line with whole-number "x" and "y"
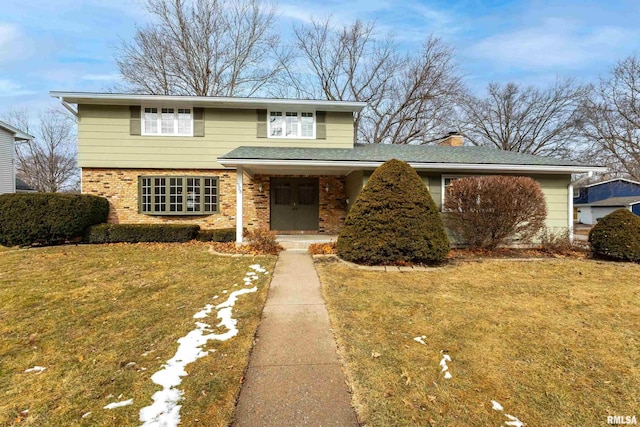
{"x": 69, "y": 44}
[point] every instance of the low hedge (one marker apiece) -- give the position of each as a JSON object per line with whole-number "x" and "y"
{"x": 218, "y": 235}
{"x": 48, "y": 218}
{"x": 617, "y": 236}
{"x": 134, "y": 233}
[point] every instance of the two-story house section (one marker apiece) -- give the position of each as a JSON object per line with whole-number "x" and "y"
{"x": 9, "y": 136}
{"x": 284, "y": 164}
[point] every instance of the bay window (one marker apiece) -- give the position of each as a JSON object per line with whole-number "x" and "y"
{"x": 178, "y": 195}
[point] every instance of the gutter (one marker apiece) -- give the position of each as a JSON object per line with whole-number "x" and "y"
{"x": 204, "y": 101}
{"x": 415, "y": 165}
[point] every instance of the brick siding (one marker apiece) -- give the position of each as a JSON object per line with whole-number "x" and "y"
{"x": 120, "y": 187}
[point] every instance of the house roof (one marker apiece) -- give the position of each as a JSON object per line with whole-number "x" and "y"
{"x": 419, "y": 156}
{"x": 205, "y": 101}
{"x": 613, "y": 201}
{"x": 17, "y": 133}
{"x": 612, "y": 180}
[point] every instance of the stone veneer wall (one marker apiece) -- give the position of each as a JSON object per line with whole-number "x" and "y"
{"x": 120, "y": 187}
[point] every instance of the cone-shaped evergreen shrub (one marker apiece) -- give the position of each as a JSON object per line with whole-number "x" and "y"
{"x": 617, "y": 236}
{"x": 393, "y": 220}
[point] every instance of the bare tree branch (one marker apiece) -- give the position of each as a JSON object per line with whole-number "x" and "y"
{"x": 203, "y": 48}
{"x": 48, "y": 163}
{"x": 525, "y": 119}
{"x": 612, "y": 117}
{"x": 409, "y": 97}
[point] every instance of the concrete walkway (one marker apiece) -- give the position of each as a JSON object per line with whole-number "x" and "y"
{"x": 294, "y": 376}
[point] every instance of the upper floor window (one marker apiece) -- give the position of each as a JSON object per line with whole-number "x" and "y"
{"x": 167, "y": 121}
{"x": 292, "y": 124}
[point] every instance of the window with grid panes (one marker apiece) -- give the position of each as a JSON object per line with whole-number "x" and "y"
{"x": 178, "y": 195}
{"x": 292, "y": 124}
{"x": 167, "y": 121}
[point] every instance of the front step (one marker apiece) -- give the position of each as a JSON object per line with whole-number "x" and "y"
{"x": 302, "y": 242}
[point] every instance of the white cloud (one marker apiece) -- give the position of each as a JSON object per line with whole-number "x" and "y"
{"x": 10, "y": 88}
{"x": 101, "y": 77}
{"x": 555, "y": 43}
{"x": 10, "y": 41}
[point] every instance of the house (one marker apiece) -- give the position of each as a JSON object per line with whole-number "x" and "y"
{"x": 23, "y": 187}
{"x": 9, "y": 135}
{"x": 597, "y": 200}
{"x": 288, "y": 165}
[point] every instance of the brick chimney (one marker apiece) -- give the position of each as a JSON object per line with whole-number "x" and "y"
{"x": 452, "y": 139}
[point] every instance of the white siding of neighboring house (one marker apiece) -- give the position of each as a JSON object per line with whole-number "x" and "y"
{"x": 7, "y": 174}
{"x": 591, "y": 214}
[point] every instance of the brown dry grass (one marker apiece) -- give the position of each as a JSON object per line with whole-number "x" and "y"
{"x": 85, "y": 312}
{"x": 555, "y": 342}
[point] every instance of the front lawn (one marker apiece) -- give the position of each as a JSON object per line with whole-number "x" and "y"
{"x": 102, "y": 319}
{"x": 554, "y": 343}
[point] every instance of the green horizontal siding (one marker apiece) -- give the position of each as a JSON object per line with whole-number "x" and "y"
{"x": 104, "y": 139}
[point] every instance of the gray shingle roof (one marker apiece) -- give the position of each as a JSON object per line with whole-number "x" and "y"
{"x": 407, "y": 153}
{"x": 613, "y": 201}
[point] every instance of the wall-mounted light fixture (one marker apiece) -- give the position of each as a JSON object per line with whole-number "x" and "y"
{"x": 347, "y": 201}
{"x": 260, "y": 188}
{"x": 326, "y": 188}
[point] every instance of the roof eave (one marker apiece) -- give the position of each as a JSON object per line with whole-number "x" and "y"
{"x": 205, "y": 101}
{"x": 416, "y": 165}
{"x": 18, "y": 135}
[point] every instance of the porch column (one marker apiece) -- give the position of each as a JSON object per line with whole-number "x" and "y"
{"x": 570, "y": 222}
{"x": 239, "y": 173}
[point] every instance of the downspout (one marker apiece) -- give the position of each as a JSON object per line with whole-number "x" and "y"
{"x": 570, "y": 222}
{"x": 68, "y": 106}
{"x": 239, "y": 173}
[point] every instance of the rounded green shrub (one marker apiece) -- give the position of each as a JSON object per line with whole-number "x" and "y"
{"x": 617, "y": 236}
{"x": 394, "y": 220}
{"x": 48, "y": 218}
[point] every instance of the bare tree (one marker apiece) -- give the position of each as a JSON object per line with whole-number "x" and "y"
{"x": 525, "y": 119}
{"x": 47, "y": 163}
{"x": 612, "y": 117}
{"x": 408, "y": 96}
{"x": 204, "y": 48}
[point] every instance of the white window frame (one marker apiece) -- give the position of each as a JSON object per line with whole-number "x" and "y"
{"x": 159, "y": 120}
{"x": 284, "y": 125}
{"x": 443, "y": 188}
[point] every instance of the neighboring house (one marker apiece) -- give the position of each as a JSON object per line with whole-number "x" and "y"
{"x": 596, "y": 201}
{"x": 287, "y": 165}
{"x": 8, "y": 137}
{"x": 23, "y": 187}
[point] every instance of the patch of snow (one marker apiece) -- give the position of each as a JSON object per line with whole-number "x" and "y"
{"x": 445, "y": 368}
{"x": 118, "y": 404}
{"x": 514, "y": 421}
{"x": 258, "y": 268}
{"x": 36, "y": 369}
{"x": 225, "y": 291}
{"x": 86, "y": 414}
{"x": 420, "y": 339}
{"x": 165, "y": 411}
